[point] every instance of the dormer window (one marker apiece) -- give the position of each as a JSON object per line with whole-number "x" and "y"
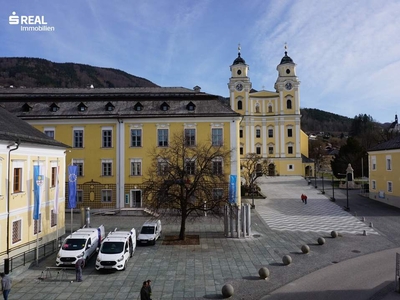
{"x": 190, "y": 106}
{"x": 110, "y": 106}
{"x": 54, "y": 107}
{"x": 82, "y": 107}
{"x": 138, "y": 107}
{"x": 26, "y": 107}
{"x": 164, "y": 106}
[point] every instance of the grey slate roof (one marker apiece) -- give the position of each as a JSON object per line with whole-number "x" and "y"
{"x": 389, "y": 145}
{"x": 13, "y": 129}
{"x": 123, "y": 99}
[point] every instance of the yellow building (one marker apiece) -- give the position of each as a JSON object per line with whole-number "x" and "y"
{"x": 23, "y": 147}
{"x": 271, "y": 120}
{"x": 111, "y": 132}
{"x": 384, "y": 172}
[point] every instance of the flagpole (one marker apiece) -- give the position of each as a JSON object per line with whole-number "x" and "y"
{"x": 37, "y": 227}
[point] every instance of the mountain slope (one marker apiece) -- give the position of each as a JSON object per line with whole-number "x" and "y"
{"x": 37, "y": 72}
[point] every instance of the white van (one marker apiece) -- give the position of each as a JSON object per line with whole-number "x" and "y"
{"x": 81, "y": 243}
{"x": 116, "y": 250}
{"x": 150, "y": 232}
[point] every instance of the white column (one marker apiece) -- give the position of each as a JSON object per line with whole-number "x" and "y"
{"x": 252, "y": 136}
{"x": 297, "y": 129}
{"x": 282, "y": 136}
{"x": 264, "y": 137}
{"x": 235, "y": 156}
{"x": 120, "y": 169}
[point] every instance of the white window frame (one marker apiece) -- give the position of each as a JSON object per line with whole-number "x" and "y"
{"x": 105, "y": 195}
{"x": 103, "y": 163}
{"x": 258, "y": 132}
{"x": 48, "y": 130}
{"x": 53, "y": 218}
{"x": 389, "y": 163}
{"x": 290, "y": 167}
{"x": 163, "y": 143}
{"x": 191, "y": 142}
{"x": 135, "y": 162}
{"x": 79, "y": 196}
{"x": 270, "y": 130}
{"x": 289, "y": 128}
{"x": 190, "y": 166}
{"x": 139, "y": 142}
{"x": 78, "y": 163}
{"x": 219, "y": 161}
{"x": 373, "y": 184}
{"x": 19, "y": 233}
{"x": 17, "y": 164}
{"x": 373, "y": 163}
{"x": 217, "y": 139}
{"x": 73, "y": 137}
{"x": 104, "y": 129}
{"x": 389, "y": 187}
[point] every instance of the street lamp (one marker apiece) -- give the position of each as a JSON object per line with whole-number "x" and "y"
{"x": 323, "y": 189}
{"x": 315, "y": 174}
{"x": 333, "y": 189}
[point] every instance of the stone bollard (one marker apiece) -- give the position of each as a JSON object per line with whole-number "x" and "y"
{"x": 263, "y": 272}
{"x": 364, "y": 232}
{"x": 305, "y": 249}
{"x": 371, "y": 225}
{"x": 363, "y": 219}
{"x": 321, "y": 241}
{"x": 334, "y": 234}
{"x": 227, "y": 290}
{"x": 287, "y": 260}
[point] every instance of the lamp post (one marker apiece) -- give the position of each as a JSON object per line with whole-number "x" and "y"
{"x": 7, "y": 260}
{"x": 323, "y": 189}
{"x": 333, "y": 189}
{"x": 315, "y": 174}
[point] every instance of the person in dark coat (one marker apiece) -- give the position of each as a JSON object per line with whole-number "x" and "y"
{"x": 79, "y": 265}
{"x": 144, "y": 292}
{"x": 5, "y": 285}
{"x": 149, "y": 287}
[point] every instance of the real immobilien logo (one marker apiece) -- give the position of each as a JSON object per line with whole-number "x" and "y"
{"x": 30, "y": 23}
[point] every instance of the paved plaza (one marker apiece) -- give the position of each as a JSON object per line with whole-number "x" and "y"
{"x": 281, "y": 224}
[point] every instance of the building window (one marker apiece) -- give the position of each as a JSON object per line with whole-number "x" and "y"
{"x": 290, "y": 167}
{"x": 241, "y": 150}
{"x": 136, "y": 137}
{"x": 53, "y": 218}
{"x": 79, "y": 196}
{"x": 78, "y": 138}
{"x": 239, "y": 105}
{"x": 17, "y": 180}
{"x": 289, "y": 132}
{"x": 218, "y": 194}
{"x": 389, "y": 186}
{"x": 289, "y": 104}
{"x": 388, "y": 163}
{"x": 190, "y": 137}
{"x": 49, "y": 133}
{"x": 136, "y": 167}
{"x": 162, "y": 167}
{"x": 53, "y": 176}
{"x": 16, "y": 231}
{"x": 217, "y": 167}
{"x": 373, "y": 184}
{"x": 240, "y": 133}
{"x": 106, "y": 195}
{"x": 270, "y": 150}
{"x": 257, "y": 108}
{"x": 107, "y": 138}
{"x": 373, "y": 162}
{"x": 290, "y": 149}
{"x": 79, "y": 164}
{"x": 217, "y": 138}
{"x": 270, "y": 108}
{"x": 190, "y": 166}
{"x": 258, "y": 132}
{"x": 106, "y": 168}
{"x": 36, "y": 224}
{"x": 258, "y": 150}
{"x": 270, "y": 133}
{"x": 162, "y": 137}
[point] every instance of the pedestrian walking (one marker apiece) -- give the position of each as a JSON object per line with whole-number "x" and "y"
{"x": 80, "y": 263}
{"x": 302, "y": 198}
{"x": 305, "y": 199}
{"x": 144, "y": 291}
{"x": 149, "y": 287}
{"x": 5, "y": 285}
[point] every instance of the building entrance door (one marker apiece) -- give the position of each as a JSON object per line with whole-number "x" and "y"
{"x": 136, "y": 198}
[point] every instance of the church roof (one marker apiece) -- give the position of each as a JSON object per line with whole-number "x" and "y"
{"x": 286, "y": 59}
{"x": 239, "y": 60}
{"x": 388, "y": 145}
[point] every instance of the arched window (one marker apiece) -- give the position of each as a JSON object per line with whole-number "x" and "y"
{"x": 239, "y": 104}
{"x": 289, "y": 104}
{"x": 270, "y": 108}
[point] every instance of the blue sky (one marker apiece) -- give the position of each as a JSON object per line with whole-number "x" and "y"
{"x": 347, "y": 52}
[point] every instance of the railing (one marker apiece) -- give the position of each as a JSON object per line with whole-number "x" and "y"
{"x": 29, "y": 256}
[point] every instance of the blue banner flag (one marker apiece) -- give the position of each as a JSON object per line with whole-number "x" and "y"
{"x": 38, "y": 179}
{"x": 72, "y": 176}
{"x": 232, "y": 189}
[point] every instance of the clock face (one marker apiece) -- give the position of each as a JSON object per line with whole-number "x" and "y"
{"x": 288, "y": 86}
{"x": 239, "y": 87}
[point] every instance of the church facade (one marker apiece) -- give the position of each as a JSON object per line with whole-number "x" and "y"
{"x": 270, "y": 125}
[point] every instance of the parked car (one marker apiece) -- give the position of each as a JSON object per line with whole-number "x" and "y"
{"x": 150, "y": 232}
{"x": 116, "y": 250}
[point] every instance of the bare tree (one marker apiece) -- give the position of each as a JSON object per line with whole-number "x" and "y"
{"x": 187, "y": 181}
